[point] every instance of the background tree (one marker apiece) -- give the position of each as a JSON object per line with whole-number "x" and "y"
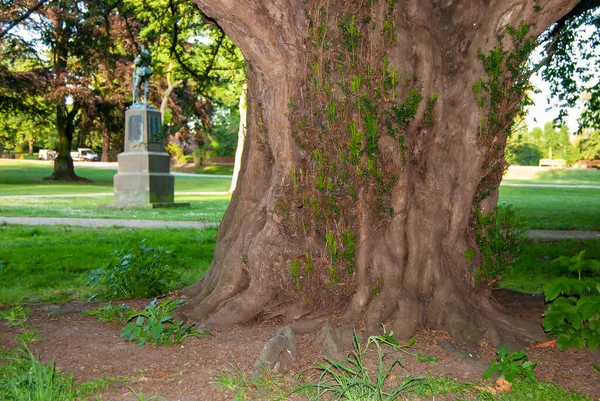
{"x": 64, "y": 43}
{"x": 375, "y": 132}
{"x": 588, "y": 146}
{"x": 198, "y": 71}
{"x": 570, "y": 62}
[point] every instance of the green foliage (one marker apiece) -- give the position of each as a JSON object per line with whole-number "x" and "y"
{"x": 351, "y": 379}
{"x": 76, "y": 251}
{"x": 350, "y": 246}
{"x": 511, "y": 366}
{"x": 499, "y": 238}
{"x": 295, "y": 274}
{"x": 26, "y": 378}
{"x": 571, "y": 61}
{"x": 155, "y": 324}
{"x": 533, "y": 269}
{"x": 16, "y": 316}
{"x": 175, "y": 151}
{"x": 110, "y": 313}
{"x": 501, "y": 95}
{"x": 223, "y": 135}
{"x": 350, "y": 34}
{"x": 573, "y": 314}
{"x": 141, "y": 271}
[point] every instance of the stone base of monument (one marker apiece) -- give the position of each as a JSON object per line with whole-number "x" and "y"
{"x": 143, "y": 179}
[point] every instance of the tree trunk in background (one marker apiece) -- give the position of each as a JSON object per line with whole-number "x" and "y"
{"x": 65, "y": 125}
{"x": 241, "y": 139}
{"x": 367, "y": 153}
{"x": 30, "y": 145}
{"x": 105, "y": 145}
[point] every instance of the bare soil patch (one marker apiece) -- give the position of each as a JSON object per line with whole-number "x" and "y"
{"x": 90, "y": 349}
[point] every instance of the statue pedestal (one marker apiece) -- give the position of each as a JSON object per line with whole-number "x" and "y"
{"x": 144, "y": 178}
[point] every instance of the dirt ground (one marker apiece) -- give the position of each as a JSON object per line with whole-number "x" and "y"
{"x": 90, "y": 349}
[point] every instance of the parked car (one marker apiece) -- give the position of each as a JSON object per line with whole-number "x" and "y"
{"x": 47, "y": 154}
{"x": 84, "y": 155}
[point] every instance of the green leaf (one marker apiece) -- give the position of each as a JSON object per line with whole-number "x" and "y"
{"x": 553, "y": 319}
{"x": 555, "y": 287}
{"x": 127, "y": 330}
{"x": 502, "y": 351}
{"x": 515, "y": 356}
{"x": 156, "y": 331}
{"x": 594, "y": 324}
{"x": 490, "y": 371}
{"x": 139, "y": 321}
{"x": 135, "y": 333}
{"x": 593, "y": 339}
{"x": 424, "y": 358}
{"x": 389, "y": 339}
{"x": 165, "y": 319}
{"x": 587, "y": 307}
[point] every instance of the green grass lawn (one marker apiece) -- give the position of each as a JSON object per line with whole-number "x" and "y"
{"x": 217, "y": 169}
{"x": 555, "y": 208}
{"x": 28, "y": 179}
{"x": 51, "y": 264}
{"x": 586, "y": 176}
{"x": 534, "y": 267}
{"x": 208, "y": 208}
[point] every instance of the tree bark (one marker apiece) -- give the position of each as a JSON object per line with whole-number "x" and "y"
{"x": 367, "y": 154}
{"x": 105, "y": 145}
{"x": 65, "y": 125}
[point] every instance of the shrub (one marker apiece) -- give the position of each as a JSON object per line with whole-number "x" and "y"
{"x": 141, "y": 271}
{"x": 511, "y": 366}
{"x": 155, "y": 324}
{"x": 573, "y": 315}
{"x": 175, "y": 151}
{"x": 499, "y": 239}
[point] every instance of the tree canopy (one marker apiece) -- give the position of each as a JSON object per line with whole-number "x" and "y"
{"x": 71, "y": 62}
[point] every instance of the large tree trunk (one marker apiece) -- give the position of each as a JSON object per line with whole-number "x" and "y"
{"x": 367, "y": 154}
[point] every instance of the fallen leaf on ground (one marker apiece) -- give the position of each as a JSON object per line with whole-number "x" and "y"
{"x": 501, "y": 386}
{"x": 547, "y": 344}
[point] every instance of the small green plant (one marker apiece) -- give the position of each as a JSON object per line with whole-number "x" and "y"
{"x": 155, "y": 324}
{"x": 110, "y": 313}
{"x": 16, "y": 316}
{"x": 499, "y": 239}
{"x": 573, "y": 314}
{"x": 141, "y": 397}
{"x": 28, "y": 335}
{"x": 142, "y": 271}
{"x": 352, "y": 381}
{"x": 511, "y": 366}
{"x": 578, "y": 263}
{"x": 26, "y": 378}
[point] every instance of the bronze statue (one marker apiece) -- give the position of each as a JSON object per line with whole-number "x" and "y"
{"x": 141, "y": 75}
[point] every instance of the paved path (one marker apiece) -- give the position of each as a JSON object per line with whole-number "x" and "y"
{"x": 45, "y": 221}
